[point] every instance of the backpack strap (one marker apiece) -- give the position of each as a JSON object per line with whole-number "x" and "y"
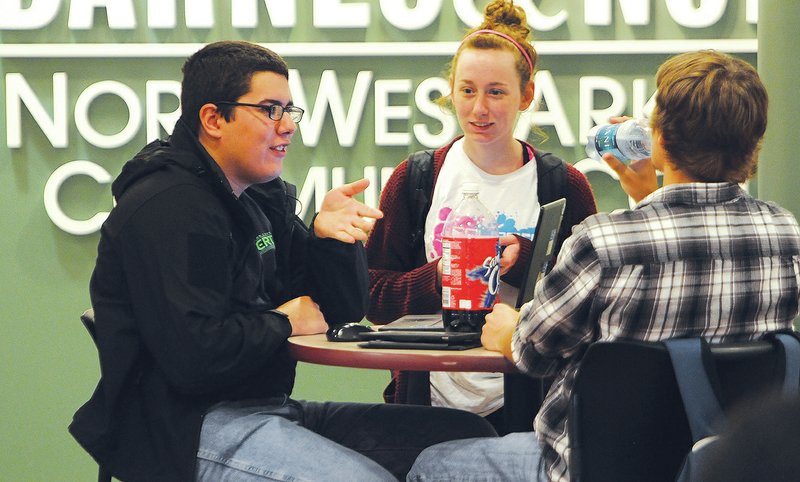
{"x": 551, "y": 173}
{"x": 693, "y": 370}
{"x": 700, "y": 402}
{"x": 419, "y": 181}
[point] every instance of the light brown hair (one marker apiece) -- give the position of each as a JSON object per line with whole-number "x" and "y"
{"x": 711, "y": 112}
{"x": 504, "y": 17}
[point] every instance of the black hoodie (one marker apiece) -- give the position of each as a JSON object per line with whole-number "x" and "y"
{"x": 185, "y": 279}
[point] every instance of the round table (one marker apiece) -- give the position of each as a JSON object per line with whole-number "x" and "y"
{"x": 317, "y": 349}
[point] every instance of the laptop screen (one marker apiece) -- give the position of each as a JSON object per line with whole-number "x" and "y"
{"x": 544, "y": 241}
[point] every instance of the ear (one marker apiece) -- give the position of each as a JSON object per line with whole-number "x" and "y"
{"x": 210, "y": 120}
{"x": 527, "y": 96}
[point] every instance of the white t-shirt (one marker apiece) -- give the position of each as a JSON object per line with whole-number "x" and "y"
{"x": 513, "y": 197}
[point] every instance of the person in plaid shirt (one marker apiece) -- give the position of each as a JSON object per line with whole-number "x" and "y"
{"x": 696, "y": 257}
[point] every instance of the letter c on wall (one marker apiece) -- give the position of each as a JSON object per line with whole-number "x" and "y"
{"x": 53, "y": 186}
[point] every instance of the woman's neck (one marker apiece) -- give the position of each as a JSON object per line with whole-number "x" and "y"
{"x": 495, "y": 158}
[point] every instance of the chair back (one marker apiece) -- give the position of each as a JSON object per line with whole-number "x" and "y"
{"x": 87, "y": 318}
{"x": 627, "y": 421}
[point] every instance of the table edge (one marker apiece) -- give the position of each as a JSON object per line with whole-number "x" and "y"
{"x": 392, "y": 359}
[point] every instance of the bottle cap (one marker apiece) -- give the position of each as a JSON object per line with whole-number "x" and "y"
{"x": 470, "y": 188}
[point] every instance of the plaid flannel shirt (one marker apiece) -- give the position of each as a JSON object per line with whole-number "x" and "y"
{"x": 690, "y": 259}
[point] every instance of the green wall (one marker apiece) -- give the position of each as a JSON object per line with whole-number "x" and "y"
{"x": 49, "y": 365}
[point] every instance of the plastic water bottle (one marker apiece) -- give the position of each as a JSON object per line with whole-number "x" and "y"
{"x": 627, "y": 141}
{"x": 470, "y": 263}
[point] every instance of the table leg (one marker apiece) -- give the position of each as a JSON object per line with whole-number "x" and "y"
{"x": 523, "y": 396}
{"x": 419, "y": 388}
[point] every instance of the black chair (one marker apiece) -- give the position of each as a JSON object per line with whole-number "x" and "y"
{"x": 626, "y": 418}
{"x": 87, "y": 318}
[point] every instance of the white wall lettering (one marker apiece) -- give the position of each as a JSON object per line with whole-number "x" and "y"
{"x": 155, "y": 119}
{"x": 38, "y": 14}
{"x": 385, "y": 112}
{"x": 53, "y": 186}
{"x": 84, "y": 124}
{"x": 329, "y": 95}
{"x": 424, "y": 97}
{"x": 335, "y": 14}
{"x": 163, "y": 13}
{"x": 555, "y": 115}
{"x": 120, "y": 14}
{"x": 589, "y": 115}
{"x": 282, "y": 13}
{"x": 707, "y": 13}
{"x": 411, "y": 18}
{"x": 345, "y": 14}
{"x": 19, "y": 92}
{"x": 314, "y": 187}
{"x": 539, "y": 21}
{"x": 598, "y": 12}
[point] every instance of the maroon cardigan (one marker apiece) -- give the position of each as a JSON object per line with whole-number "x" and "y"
{"x": 399, "y": 285}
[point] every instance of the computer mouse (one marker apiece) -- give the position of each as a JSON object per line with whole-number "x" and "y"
{"x": 346, "y": 332}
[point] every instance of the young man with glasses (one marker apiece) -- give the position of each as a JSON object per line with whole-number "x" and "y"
{"x": 203, "y": 272}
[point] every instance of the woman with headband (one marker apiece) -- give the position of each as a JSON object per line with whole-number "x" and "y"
{"x": 491, "y": 82}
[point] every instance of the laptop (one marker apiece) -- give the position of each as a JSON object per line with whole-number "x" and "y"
{"x": 544, "y": 241}
{"x": 426, "y": 331}
{"x": 441, "y": 338}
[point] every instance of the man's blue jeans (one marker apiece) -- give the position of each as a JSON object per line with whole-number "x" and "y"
{"x": 289, "y": 440}
{"x": 511, "y": 458}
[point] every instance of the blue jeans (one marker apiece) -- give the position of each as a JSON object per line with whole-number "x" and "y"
{"x": 514, "y": 457}
{"x": 288, "y": 440}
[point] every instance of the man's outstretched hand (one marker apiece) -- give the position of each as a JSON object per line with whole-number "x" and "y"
{"x": 344, "y": 218}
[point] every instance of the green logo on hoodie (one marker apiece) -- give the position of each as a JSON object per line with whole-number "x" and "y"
{"x": 264, "y": 243}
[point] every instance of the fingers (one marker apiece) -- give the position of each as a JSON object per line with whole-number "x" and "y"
{"x": 344, "y": 237}
{"x": 368, "y": 212}
{"x": 354, "y": 187}
{"x": 509, "y": 254}
{"x": 637, "y": 179}
{"x": 508, "y": 240}
{"x": 642, "y": 165}
{"x": 344, "y": 218}
{"x": 356, "y": 233}
{"x": 364, "y": 224}
{"x": 615, "y": 164}
{"x": 618, "y": 119}
{"x": 350, "y": 234}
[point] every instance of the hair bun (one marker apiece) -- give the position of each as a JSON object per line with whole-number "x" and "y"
{"x": 507, "y": 16}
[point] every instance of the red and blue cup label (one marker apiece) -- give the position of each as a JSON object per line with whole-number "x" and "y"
{"x": 470, "y": 273}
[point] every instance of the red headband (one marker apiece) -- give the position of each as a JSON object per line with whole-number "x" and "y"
{"x": 507, "y": 37}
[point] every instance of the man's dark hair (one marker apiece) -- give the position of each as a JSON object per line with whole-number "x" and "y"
{"x": 221, "y": 71}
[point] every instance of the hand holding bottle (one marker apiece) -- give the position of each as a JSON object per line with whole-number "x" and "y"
{"x": 638, "y": 177}
{"x": 627, "y": 139}
{"x": 509, "y": 254}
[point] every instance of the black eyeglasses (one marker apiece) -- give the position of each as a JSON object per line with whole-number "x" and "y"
{"x": 273, "y": 111}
